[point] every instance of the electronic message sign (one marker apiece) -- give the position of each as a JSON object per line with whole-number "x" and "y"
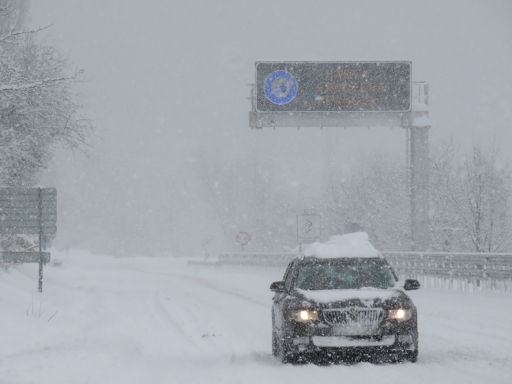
{"x": 333, "y": 86}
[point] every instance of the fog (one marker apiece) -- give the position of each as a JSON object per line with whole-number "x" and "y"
{"x": 167, "y": 83}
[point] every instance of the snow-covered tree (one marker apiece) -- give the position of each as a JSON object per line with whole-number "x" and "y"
{"x": 37, "y": 106}
{"x": 472, "y": 202}
{"x": 374, "y": 195}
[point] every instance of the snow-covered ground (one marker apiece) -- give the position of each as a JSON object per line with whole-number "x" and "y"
{"x": 145, "y": 320}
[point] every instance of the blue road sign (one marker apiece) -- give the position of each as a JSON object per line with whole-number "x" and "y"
{"x": 280, "y": 87}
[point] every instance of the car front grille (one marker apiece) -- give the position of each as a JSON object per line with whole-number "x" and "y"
{"x": 354, "y": 321}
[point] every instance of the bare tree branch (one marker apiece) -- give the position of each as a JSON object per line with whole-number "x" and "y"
{"x": 13, "y": 33}
{"x": 34, "y": 84}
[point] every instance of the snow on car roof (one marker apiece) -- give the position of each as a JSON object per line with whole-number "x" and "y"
{"x": 348, "y": 245}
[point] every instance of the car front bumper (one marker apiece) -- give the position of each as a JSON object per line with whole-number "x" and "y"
{"x": 350, "y": 342}
{"x": 391, "y": 336}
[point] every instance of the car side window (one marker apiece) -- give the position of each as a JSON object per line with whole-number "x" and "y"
{"x": 287, "y": 272}
{"x": 288, "y": 278}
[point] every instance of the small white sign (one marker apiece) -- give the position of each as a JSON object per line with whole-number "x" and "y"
{"x": 308, "y": 228}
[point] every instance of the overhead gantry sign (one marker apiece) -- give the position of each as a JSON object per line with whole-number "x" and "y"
{"x": 352, "y": 94}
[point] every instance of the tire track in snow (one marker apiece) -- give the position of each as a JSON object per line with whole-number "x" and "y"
{"x": 207, "y": 284}
{"x": 161, "y": 313}
{"x": 206, "y": 323}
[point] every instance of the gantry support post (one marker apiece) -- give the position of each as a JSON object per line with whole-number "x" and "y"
{"x": 418, "y": 126}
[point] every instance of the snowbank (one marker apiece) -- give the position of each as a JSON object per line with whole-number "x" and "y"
{"x": 349, "y": 245}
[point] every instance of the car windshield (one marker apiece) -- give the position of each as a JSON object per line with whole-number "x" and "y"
{"x": 345, "y": 274}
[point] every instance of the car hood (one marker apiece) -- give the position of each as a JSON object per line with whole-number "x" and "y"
{"x": 330, "y": 295}
{"x": 368, "y": 297}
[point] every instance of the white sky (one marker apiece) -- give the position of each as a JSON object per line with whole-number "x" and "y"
{"x": 165, "y": 79}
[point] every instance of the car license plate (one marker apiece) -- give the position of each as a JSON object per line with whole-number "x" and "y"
{"x": 353, "y": 330}
{"x": 338, "y": 331}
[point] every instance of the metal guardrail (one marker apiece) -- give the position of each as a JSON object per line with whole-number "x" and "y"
{"x": 473, "y": 266}
{"x": 490, "y": 270}
{"x": 256, "y": 258}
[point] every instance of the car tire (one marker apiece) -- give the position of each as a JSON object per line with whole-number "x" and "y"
{"x": 412, "y": 356}
{"x": 282, "y": 351}
{"x": 407, "y": 354}
{"x": 275, "y": 346}
{"x": 288, "y": 355}
{"x": 275, "y": 339}
{"x": 403, "y": 356}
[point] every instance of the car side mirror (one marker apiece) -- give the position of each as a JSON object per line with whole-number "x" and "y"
{"x": 411, "y": 284}
{"x": 277, "y": 286}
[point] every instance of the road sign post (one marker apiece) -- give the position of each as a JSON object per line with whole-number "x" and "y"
{"x": 308, "y": 228}
{"x": 243, "y": 238}
{"x": 29, "y": 211}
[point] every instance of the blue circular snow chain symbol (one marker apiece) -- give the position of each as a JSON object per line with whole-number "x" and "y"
{"x": 280, "y": 87}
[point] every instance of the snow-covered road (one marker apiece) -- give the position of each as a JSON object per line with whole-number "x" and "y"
{"x": 145, "y": 320}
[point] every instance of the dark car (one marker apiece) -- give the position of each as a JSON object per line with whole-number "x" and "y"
{"x": 343, "y": 307}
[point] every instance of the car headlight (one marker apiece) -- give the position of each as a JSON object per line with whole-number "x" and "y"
{"x": 305, "y": 315}
{"x": 400, "y": 314}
